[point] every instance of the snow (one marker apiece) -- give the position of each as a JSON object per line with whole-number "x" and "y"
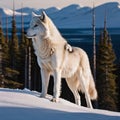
{"x": 27, "y": 105}
{"x": 10, "y": 12}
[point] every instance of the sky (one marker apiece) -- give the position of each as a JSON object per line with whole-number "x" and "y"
{"x": 50, "y": 3}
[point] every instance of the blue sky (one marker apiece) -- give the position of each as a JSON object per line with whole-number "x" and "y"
{"x": 50, "y": 3}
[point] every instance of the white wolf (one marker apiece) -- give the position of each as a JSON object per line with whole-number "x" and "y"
{"x": 56, "y": 57}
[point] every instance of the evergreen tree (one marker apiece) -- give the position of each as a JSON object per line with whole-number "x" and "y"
{"x": 23, "y": 48}
{"x": 1, "y": 42}
{"x": 1, "y": 46}
{"x": 106, "y": 84}
{"x": 118, "y": 84}
{"x": 5, "y": 80}
{"x": 14, "y": 48}
{"x": 4, "y": 50}
{"x": 22, "y": 64}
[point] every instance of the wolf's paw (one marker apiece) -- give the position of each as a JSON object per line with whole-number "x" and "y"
{"x": 54, "y": 100}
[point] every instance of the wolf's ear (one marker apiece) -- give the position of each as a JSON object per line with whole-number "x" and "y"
{"x": 34, "y": 15}
{"x": 43, "y": 16}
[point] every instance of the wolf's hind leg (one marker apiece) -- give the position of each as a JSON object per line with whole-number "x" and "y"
{"x": 74, "y": 88}
{"x": 85, "y": 90}
{"x": 45, "y": 80}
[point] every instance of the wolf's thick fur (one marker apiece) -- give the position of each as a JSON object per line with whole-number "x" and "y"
{"x": 55, "y": 56}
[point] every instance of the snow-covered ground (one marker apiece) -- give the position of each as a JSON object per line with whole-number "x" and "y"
{"x": 27, "y": 105}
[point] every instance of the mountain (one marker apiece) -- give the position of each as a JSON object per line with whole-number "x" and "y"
{"x": 112, "y": 11}
{"x": 51, "y": 10}
{"x": 72, "y": 16}
{"x": 76, "y": 17}
{"x": 27, "y": 105}
{"x": 9, "y": 12}
{"x": 26, "y": 10}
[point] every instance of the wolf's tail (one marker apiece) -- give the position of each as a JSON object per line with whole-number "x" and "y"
{"x": 92, "y": 89}
{"x": 86, "y": 72}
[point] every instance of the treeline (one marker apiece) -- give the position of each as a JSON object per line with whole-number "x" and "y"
{"x": 19, "y": 68}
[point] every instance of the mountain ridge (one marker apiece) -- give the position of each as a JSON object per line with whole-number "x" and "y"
{"x": 74, "y": 16}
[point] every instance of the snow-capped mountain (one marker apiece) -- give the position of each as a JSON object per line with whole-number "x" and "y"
{"x": 8, "y": 12}
{"x": 76, "y": 17}
{"x": 73, "y": 16}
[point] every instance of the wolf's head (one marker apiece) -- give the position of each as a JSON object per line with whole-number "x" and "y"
{"x": 42, "y": 26}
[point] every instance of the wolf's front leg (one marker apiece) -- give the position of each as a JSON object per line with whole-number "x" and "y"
{"x": 45, "y": 80}
{"x": 57, "y": 85}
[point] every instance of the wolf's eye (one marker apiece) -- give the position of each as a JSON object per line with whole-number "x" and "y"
{"x": 35, "y": 25}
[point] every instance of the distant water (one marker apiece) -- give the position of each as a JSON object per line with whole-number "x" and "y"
{"x": 84, "y": 38}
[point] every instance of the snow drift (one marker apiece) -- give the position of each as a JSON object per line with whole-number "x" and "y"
{"x": 27, "y": 105}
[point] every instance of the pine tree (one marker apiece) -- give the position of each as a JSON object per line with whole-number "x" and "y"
{"x": 4, "y": 50}
{"x": 106, "y": 84}
{"x": 14, "y": 47}
{"x": 1, "y": 43}
{"x": 118, "y": 84}
{"x": 23, "y": 50}
{"x": 7, "y": 37}
{"x": 4, "y": 61}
